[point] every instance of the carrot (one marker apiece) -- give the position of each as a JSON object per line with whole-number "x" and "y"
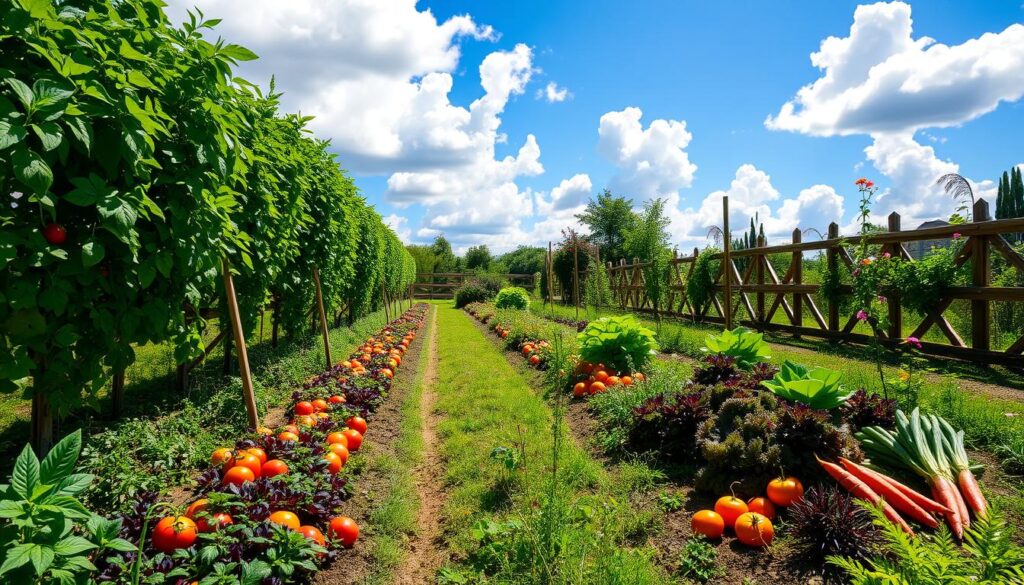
{"x": 928, "y": 504}
{"x": 861, "y": 490}
{"x": 972, "y": 493}
{"x": 944, "y": 493}
{"x": 958, "y": 498}
{"x": 885, "y": 488}
{"x": 953, "y": 441}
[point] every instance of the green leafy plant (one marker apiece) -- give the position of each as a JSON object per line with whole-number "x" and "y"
{"x": 619, "y": 342}
{"x": 46, "y": 534}
{"x": 746, "y": 346}
{"x": 671, "y": 501}
{"x": 816, "y": 387}
{"x": 699, "y": 561}
{"x": 512, "y": 297}
{"x": 701, "y": 282}
{"x": 478, "y": 289}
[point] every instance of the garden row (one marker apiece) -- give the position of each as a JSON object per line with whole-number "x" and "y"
{"x": 740, "y": 420}
{"x": 267, "y": 510}
{"x": 140, "y": 169}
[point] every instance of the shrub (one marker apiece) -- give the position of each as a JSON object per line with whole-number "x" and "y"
{"x": 867, "y": 410}
{"x": 513, "y": 297}
{"x": 699, "y": 561}
{"x": 745, "y": 346}
{"x": 480, "y": 288}
{"x": 619, "y": 342}
{"x": 828, "y": 522}
{"x": 668, "y": 424}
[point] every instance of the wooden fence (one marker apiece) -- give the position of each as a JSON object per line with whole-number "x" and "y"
{"x": 442, "y": 285}
{"x": 756, "y": 295}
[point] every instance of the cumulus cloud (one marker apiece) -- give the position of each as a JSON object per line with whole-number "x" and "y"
{"x": 651, "y": 162}
{"x": 552, "y": 93}
{"x": 400, "y": 225}
{"x": 570, "y": 194}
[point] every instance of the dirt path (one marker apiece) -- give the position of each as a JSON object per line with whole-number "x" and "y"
{"x": 426, "y": 549}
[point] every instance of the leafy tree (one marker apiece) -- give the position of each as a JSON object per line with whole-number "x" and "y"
{"x": 597, "y": 291}
{"x": 572, "y": 253}
{"x": 609, "y": 218}
{"x": 524, "y": 260}
{"x": 424, "y": 257}
{"x": 648, "y": 240}
{"x": 478, "y": 257}
{"x": 445, "y": 259}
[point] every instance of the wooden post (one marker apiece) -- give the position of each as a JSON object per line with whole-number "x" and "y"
{"x": 243, "y": 355}
{"x": 181, "y": 378}
{"x": 323, "y": 317}
{"x": 798, "y": 278}
{"x": 117, "y": 394}
{"x": 727, "y": 263}
{"x": 576, "y": 275}
{"x": 760, "y": 259}
{"x": 42, "y": 423}
{"x": 893, "y": 301}
{"x": 832, "y": 258}
{"x": 981, "y": 310}
{"x": 694, "y": 310}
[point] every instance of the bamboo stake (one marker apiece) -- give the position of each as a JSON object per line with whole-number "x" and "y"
{"x": 323, "y": 316}
{"x": 243, "y": 355}
{"x": 727, "y": 259}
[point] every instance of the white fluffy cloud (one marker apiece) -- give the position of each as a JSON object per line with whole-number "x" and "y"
{"x": 651, "y": 162}
{"x": 882, "y": 82}
{"x": 552, "y": 93}
{"x": 400, "y": 225}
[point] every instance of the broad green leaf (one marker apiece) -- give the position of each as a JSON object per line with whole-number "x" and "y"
{"x": 17, "y": 556}
{"x": 23, "y": 92}
{"x": 147, "y": 274}
{"x": 139, "y": 79}
{"x": 238, "y": 53}
{"x": 11, "y": 134}
{"x": 129, "y": 52}
{"x": 49, "y": 94}
{"x": 92, "y": 254}
{"x": 11, "y": 509}
{"x": 37, "y": 8}
{"x": 164, "y": 263}
{"x": 81, "y": 130}
{"x": 32, "y": 170}
{"x": 26, "y": 473}
{"x": 121, "y": 545}
{"x": 66, "y": 336}
{"x": 60, "y": 461}
{"x": 72, "y": 545}
{"x": 49, "y": 135}
{"x": 42, "y": 558}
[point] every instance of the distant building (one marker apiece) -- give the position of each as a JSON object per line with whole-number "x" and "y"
{"x": 921, "y": 247}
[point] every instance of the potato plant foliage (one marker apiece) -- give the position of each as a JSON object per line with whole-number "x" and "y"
{"x": 136, "y": 138}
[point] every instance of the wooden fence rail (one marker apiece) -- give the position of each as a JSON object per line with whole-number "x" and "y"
{"x": 758, "y": 292}
{"x": 442, "y": 285}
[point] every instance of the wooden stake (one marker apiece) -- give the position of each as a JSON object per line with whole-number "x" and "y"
{"x": 42, "y": 424}
{"x": 384, "y": 299}
{"x": 576, "y": 275}
{"x": 243, "y": 355}
{"x": 727, "y": 259}
{"x": 117, "y": 393}
{"x": 323, "y": 316}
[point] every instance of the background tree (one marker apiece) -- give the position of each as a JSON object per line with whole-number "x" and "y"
{"x": 424, "y": 256}
{"x": 478, "y": 257}
{"x": 648, "y": 240}
{"x": 609, "y": 218}
{"x": 524, "y": 260}
{"x": 445, "y": 259}
{"x": 597, "y": 290}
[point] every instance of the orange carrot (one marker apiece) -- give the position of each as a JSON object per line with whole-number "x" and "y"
{"x": 928, "y": 504}
{"x": 965, "y": 516}
{"x": 944, "y": 493}
{"x": 972, "y": 493}
{"x": 884, "y": 487}
{"x": 861, "y": 490}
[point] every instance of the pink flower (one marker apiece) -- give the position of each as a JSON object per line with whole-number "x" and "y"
{"x": 882, "y": 299}
{"x": 956, "y": 236}
{"x": 862, "y": 315}
{"x": 914, "y": 341}
{"x": 887, "y": 255}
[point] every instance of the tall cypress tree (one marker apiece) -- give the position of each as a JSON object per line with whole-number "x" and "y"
{"x": 1000, "y": 202}
{"x": 1017, "y": 193}
{"x": 1004, "y": 186}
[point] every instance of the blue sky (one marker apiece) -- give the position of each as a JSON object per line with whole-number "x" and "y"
{"x": 431, "y": 161}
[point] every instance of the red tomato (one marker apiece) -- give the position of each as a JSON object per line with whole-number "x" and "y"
{"x": 337, "y": 437}
{"x": 251, "y": 461}
{"x": 285, "y": 518}
{"x": 355, "y": 439}
{"x": 762, "y": 506}
{"x": 259, "y": 453}
{"x": 213, "y": 522}
{"x": 313, "y": 533}
{"x": 357, "y": 423}
{"x": 174, "y": 532}
{"x": 290, "y": 429}
{"x": 336, "y": 399}
{"x": 339, "y": 450}
{"x": 239, "y": 475}
{"x": 197, "y": 507}
{"x": 319, "y": 405}
{"x": 304, "y": 408}
{"x": 579, "y": 389}
{"x": 55, "y": 234}
{"x": 344, "y": 529}
{"x": 273, "y": 467}
{"x": 222, "y": 456}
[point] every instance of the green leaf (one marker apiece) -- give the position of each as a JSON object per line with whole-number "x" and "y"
{"x": 88, "y": 191}
{"x": 238, "y": 53}
{"x": 23, "y": 92}
{"x": 49, "y": 135}
{"x": 72, "y": 545}
{"x": 129, "y": 52}
{"x": 121, "y": 545}
{"x": 60, "y": 461}
{"x": 81, "y": 130}
{"x": 92, "y": 254}
{"x": 17, "y": 556}
{"x": 53, "y": 298}
{"x": 42, "y": 558}
{"x": 139, "y": 79}
{"x": 26, "y": 473}
{"x": 32, "y": 171}
{"x": 147, "y": 274}
{"x": 37, "y": 8}
{"x": 11, "y": 509}
{"x": 50, "y": 94}
{"x": 11, "y": 134}
{"x": 164, "y": 263}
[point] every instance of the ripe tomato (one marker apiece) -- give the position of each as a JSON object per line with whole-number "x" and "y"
{"x": 274, "y": 467}
{"x": 339, "y": 450}
{"x": 730, "y": 508}
{"x": 238, "y": 475}
{"x": 344, "y": 529}
{"x": 357, "y": 423}
{"x": 534, "y": 360}
{"x": 638, "y": 377}
{"x": 601, "y": 376}
{"x": 596, "y": 387}
{"x": 613, "y": 381}
{"x": 222, "y": 457}
{"x": 785, "y": 491}
{"x": 708, "y": 524}
{"x": 336, "y": 399}
{"x": 288, "y": 436}
{"x": 251, "y": 461}
{"x": 753, "y": 529}
{"x": 303, "y": 408}
{"x": 174, "y": 532}
{"x": 333, "y": 462}
{"x": 527, "y": 349}
{"x": 305, "y": 420}
{"x": 290, "y": 429}
{"x": 355, "y": 439}
{"x": 762, "y": 506}
{"x": 259, "y": 453}
{"x": 55, "y": 234}
{"x": 285, "y": 518}
{"x": 213, "y": 522}
{"x": 579, "y": 389}
{"x": 387, "y": 373}
{"x": 319, "y": 405}
{"x": 627, "y": 380}
{"x": 313, "y": 533}
{"x": 197, "y": 507}
{"x": 338, "y": 437}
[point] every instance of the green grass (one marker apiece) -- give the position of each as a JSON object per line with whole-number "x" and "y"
{"x": 498, "y": 518}
{"x": 395, "y": 514}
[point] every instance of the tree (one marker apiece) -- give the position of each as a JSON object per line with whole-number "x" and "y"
{"x": 478, "y": 257}
{"x": 424, "y": 256}
{"x": 1001, "y": 200}
{"x": 648, "y": 240}
{"x": 609, "y": 218}
{"x": 445, "y": 260}
{"x": 1017, "y": 193}
{"x": 524, "y": 260}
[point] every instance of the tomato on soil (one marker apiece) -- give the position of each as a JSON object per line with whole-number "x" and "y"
{"x": 708, "y": 524}
{"x": 259, "y": 453}
{"x": 333, "y": 462}
{"x": 313, "y": 533}
{"x": 730, "y": 508}
{"x": 251, "y": 461}
{"x": 222, "y": 456}
{"x": 337, "y": 437}
{"x": 762, "y": 506}
{"x": 753, "y": 529}
{"x": 579, "y": 390}
{"x": 357, "y": 423}
{"x": 174, "y": 532}
{"x": 345, "y": 530}
{"x": 785, "y": 491}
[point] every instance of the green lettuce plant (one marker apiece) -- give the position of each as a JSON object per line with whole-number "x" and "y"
{"x": 819, "y": 388}
{"x": 512, "y": 297}
{"x": 745, "y": 346}
{"x": 620, "y": 342}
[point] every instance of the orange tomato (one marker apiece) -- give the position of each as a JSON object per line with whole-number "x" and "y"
{"x": 337, "y": 437}
{"x": 291, "y": 429}
{"x": 708, "y": 523}
{"x": 627, "y": 380}
{"x": 274, "y": 467}
{"x": 355, "y": 439}
{"x": 172, "y": 533}
{"x": 251, "y": 461}
{"x": 638, "y": 377}
{"x": 613, "y": 381}
{"x": 285, "y": 518}
{"x": 336, "y": 399}
{"x": 785, "y": 491}
{"x": 288, "y": 436}
{"x": 213, "y": 522}
{"x": 238, "y": 475}
{"x": 387, "y": 373}
{"x": 259, "y": 453}
{"x": 762, "y": 506}
{"x": 344, "y": 529}
{"x": 305, "y": 421}
{"x": 222, "y": 456}
{"x": 753, "y": 529}
{"x": 534, "y": 360}
{"x": 596, "y": 387}
{"x": 196, "y": 507}
{"x": 579, "y": 389}
{"x": 304, "y": 407}
{"x": 357, "y": 423}
{"x": 730, "y": 508}
{"x": 601, "y": 376}
{"x": 340, "y": 450}
{"x": 319, "y": 405}
{"x": 313, "y": 533}
{"x": 333, "y": 462}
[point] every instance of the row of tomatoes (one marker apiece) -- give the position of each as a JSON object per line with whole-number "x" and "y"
{"x": 598, "y": 378}
{"x": 246, "y": 465}
{"x": 750, "y": 521}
